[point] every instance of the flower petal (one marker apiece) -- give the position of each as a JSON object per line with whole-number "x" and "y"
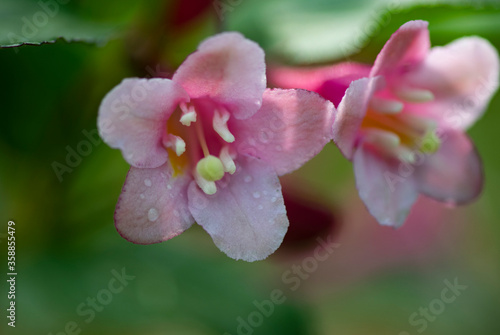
{"x": 408, "y": 46}
{"x": 229, "y": 69}
{"x": 132, "y": 118}
{"x": 454, "y": 174}
{"x": 463, "y": 76}
{"x": 246, "y": 217}
{"x": 387, "y": 193}
{"x": 153, "y": 205}
{"x": 351, "y": 111}
{"x": 329, "y": 81}
{"x": 291, "y": 127}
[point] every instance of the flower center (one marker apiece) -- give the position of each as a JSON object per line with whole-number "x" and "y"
{"x": 203, "y": 138}
{"x": 397, "y": 132}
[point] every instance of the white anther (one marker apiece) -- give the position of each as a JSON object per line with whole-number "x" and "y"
{"x": 404, "y": 154}
{"x": 188, "y": 117}
{"x": 220, "y": 125}
{"x": 414, "y": 94}
{"x": 385, "y": 140}
{"x": 386, "y": 106}
{"x": 206, "y": 186}
{"x": 175, "y": 143}
{"x": 227, "y": 160}
{"x": 390, "y": 144}
{"x": 418, "y": 123}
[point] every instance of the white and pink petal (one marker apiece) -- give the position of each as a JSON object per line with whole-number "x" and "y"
{"x": 153, "y": 205}
{"x": 133, "y": 115}
{"x": 406, "y": 48}
{"x": 246, "y": 217}
{"x": 351, "y": 112}
{"x": 454, "y": 174}
{"x": 386, "y": 185}
{"x": 291, "y": 127}
{"x": 463, "y": 76}
{"x": 228, "y": 69}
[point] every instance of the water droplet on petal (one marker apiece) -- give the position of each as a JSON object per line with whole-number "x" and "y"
{"x": 273, "y": 199}
{"x": 256, "y": 195}
{"x": 247, "y": 179}
{"x": 169, "y": 186}
{"x": 153, "y": 214}
{"x": 147, "y": 182}
{"x": 142, "y": 196}
{"x": 260, "y": 207}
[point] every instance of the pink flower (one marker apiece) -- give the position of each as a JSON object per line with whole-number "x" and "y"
{"x": 329, "y": 81}
{"x": 208, "y": 146}
{"x": 403, "y": 125}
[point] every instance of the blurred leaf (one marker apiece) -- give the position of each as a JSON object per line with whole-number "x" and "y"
{"x": 321, "y": 30}
{"x": 25, "y": 22}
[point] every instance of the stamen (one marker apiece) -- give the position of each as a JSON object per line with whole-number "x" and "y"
{"x": 188, "y": 114}
{"x": 390, "y": 144}
{"x": 206, "y": 186}
{"x": 391, "y": 123}
{"x": 386, "y": 106}
{"x": 414, "y": 95}
{"x": 175, "y": 143}
{"x": 227, "y": 160}
{"x": 405, "y": 154}
{"x": 210, "y": 168}
{"x": 418, "y": 123}
{"x": 189, "y": 117}
{"x": 220, "y": 125}
{"x": 383, "y": 139}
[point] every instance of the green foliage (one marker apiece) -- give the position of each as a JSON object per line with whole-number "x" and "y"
{"x": 67, "y": 243}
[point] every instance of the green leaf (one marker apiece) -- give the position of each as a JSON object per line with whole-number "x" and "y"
{"x": 25, "y": 22}
{"x": 321, "y": 30}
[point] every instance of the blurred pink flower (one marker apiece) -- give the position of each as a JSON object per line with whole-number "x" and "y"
{"x": 403, "y": 125}
{"x": 208, "y": 146}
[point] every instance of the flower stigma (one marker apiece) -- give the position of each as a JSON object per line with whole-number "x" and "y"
{"x": 191, "y": 147}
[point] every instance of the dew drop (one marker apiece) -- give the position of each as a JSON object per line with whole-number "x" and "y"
{"x": 169, "y": 186}
{"x": 256, "y": 195}
{"x": 265, "y": 136}
{"x": 260, "y": 207}
{"x": 153, "y": 214}
{"x": 247, "y": 179}
{"x": 147, "y": 182}
{"x": 141, "y": 196}
{"x": 273, "y": 199}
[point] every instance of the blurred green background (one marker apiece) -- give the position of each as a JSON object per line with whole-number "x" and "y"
{"x": 67, "y": 246}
